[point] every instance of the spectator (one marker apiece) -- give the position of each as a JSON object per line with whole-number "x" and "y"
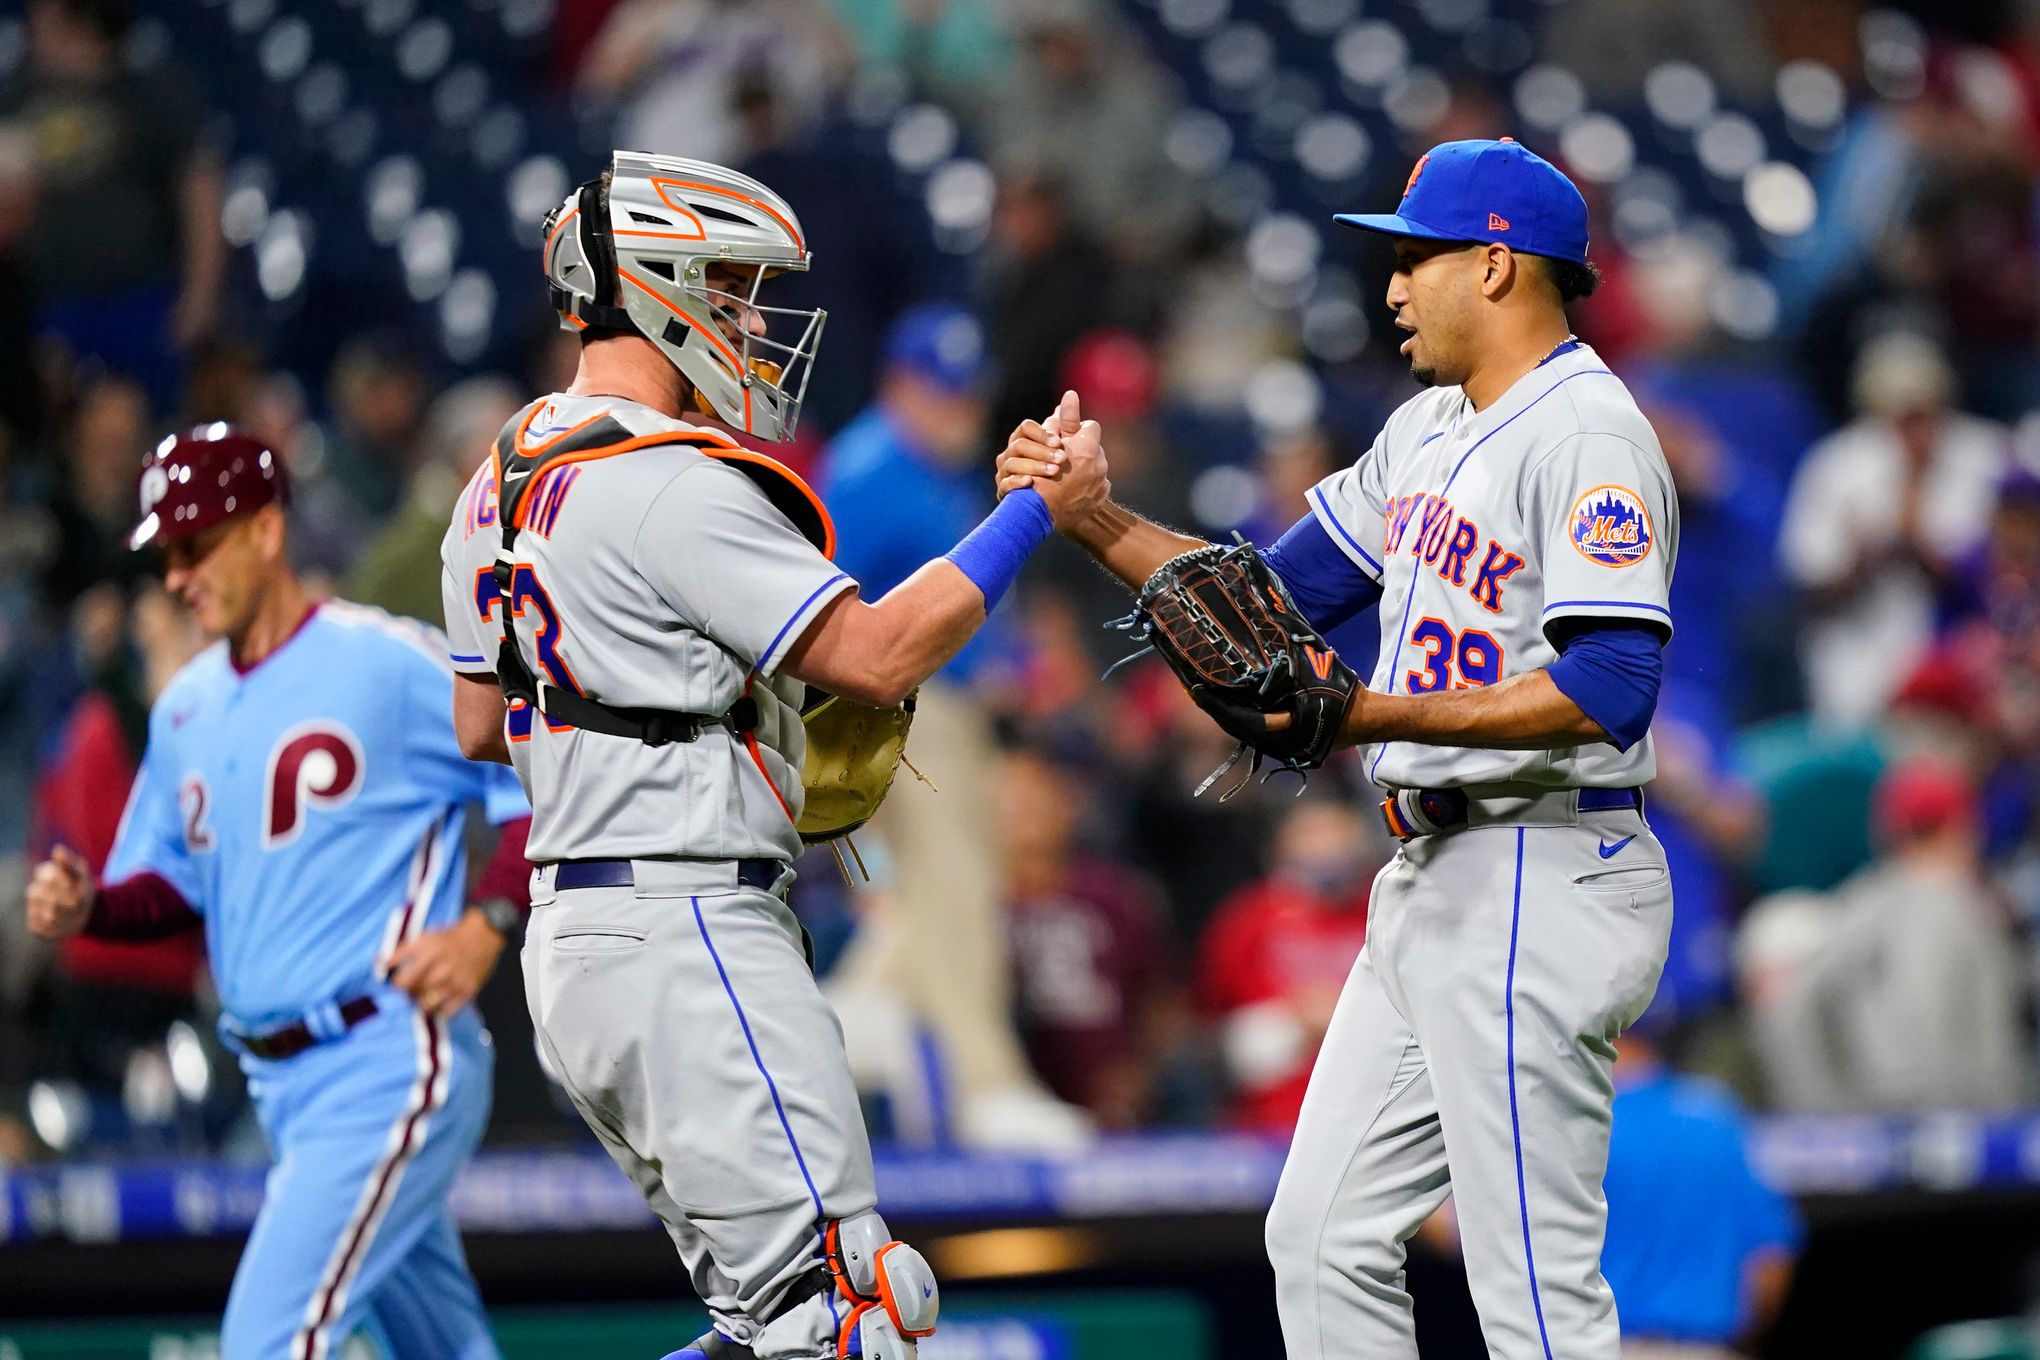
{"x": 125, "y": 252}
{"x": 1700, "y": 1250}
{"x": 905, "y": 480}
{"x": 113, "y": 996}
{"x": 1711, "y": 825}
{"x": 1114, "y": 372}
{"x": 96, "y": 508}
{"x": 378, "y": 389}
{"x": 1086, "y": 105}
{"x": 1091, "y": 957}
{"x": 398, "y": 569}
{"x": 1879, "y": 513}
{"x": 674, "y": 67}
{"x": 1041, "y": 288}
{"x": 1912, "y": 999}
{"x": 948, "y": 52}
{"x": 1271, "y": 965}
{"x": 1614, "y": 44}
{"x": 21, "y": 395}
{"x": 1198, "y": 849}
{"x": 882, "y": 252}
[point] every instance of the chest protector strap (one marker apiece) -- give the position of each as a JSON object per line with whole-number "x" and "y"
{"x": 519, "y": 469}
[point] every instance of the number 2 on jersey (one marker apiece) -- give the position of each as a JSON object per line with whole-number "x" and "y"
{"x": 1476, "y": 654}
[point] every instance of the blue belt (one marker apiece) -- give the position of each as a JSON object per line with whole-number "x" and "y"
{"x": 616, "y": 873}
{"x": 1444, "y": 809}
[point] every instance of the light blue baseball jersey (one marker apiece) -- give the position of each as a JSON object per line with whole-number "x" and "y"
{"x": 310, "y": 807}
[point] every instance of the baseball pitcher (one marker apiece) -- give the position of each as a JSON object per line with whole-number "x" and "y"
{"x": 637, "y": 606}
{"x": 1518, "y": 526}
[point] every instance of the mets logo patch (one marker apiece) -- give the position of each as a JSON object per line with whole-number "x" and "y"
{"x": 1611, "y": 526}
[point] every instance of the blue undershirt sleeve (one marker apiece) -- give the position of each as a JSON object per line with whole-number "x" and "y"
{"x": 1612, "y": 671}
{"x": 1324, "y": 582}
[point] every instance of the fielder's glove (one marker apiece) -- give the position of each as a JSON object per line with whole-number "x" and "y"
{"x": 853, "y": 752}
{"x": 1225, "y": 625}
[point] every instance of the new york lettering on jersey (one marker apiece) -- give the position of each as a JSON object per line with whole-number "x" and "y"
{"x": 657, "y": 565}
{"x": 1488, "y": 530}
{"x": 311, "y": 808}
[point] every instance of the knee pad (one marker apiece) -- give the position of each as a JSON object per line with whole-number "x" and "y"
{"x": 892, "y": 1291}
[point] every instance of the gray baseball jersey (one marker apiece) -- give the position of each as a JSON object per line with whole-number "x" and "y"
{"x": 1505, "y": 955}
{"x": 1486, "y": 528}
{"x": 647, "y": 576}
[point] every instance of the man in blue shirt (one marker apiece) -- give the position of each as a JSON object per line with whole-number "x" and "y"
{"x": 1700, "y": 1251}
{"x": 904, "y": 481}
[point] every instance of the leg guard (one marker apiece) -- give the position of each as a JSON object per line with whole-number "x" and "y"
{"x": 891, "y": 1291}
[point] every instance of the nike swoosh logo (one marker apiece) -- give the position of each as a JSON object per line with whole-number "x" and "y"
{"x": 1610, "y": 851}
{"x": 516, "y": 476}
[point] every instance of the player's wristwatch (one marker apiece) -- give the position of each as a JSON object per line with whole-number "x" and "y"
{"x": 502, "y": 916}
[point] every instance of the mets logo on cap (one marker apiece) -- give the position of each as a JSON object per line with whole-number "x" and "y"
{"x": 1611, "y": 526}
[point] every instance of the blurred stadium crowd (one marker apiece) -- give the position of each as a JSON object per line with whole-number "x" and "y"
{"x": 318, "y": 218}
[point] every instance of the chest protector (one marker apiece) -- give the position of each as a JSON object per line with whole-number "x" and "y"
{"x": 520, "y": 467}
{"x": 853, "y": 749}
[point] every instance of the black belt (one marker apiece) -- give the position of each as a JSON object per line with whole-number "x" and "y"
{"x": 1446, "y": 808}
{"x": 616, "y": 873}
{"x": 295, "y": 1037}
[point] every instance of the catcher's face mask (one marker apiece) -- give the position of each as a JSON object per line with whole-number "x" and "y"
{"x": 645, "y": 265}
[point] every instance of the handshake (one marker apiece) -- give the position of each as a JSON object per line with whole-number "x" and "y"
{"x": 1063, "y": 459}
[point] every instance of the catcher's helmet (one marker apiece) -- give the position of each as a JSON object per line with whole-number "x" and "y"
{"x": 192, "y": 481}
{"x": 642, "y": 266}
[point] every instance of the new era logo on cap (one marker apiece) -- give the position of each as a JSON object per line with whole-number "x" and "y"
{"x": 1477, "y": 190}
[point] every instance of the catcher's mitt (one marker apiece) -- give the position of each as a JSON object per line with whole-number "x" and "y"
{"x": 1225, "y": 625}
{"x": 853, "y": 752}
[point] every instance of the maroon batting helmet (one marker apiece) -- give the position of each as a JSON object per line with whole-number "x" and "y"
{"x": 194, "y": 480}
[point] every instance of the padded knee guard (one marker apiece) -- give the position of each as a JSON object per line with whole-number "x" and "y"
{"x": 891, "y": 1290}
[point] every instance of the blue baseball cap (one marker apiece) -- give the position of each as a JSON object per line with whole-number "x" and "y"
{"x": 943, "y": 344}
{"x": 1488, "y": 191}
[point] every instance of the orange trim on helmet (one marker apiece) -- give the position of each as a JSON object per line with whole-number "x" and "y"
{"x": 659, "y": 186}
{"x": 736, "y": 362}
{"x": 572, "y": 213}
{"x": 576, "y": 322}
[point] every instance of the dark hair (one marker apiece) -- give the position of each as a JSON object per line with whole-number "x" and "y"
{"x": 1573, "y": 279}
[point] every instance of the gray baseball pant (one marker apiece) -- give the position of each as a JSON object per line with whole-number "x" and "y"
{"x": 1471, "y": 1053}
{"x": 682, "y": 1019}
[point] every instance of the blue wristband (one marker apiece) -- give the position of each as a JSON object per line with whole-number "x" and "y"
{"x": 992, "y": 554}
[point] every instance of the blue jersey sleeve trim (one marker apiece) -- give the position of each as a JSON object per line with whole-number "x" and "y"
{"x": 770, "y": 661}
{"x": 1613, "y": 674}
{"x": 1328, "y": 586}
{"x": 1607, "y": 604}
{"x": 1324, "y": 512}
{"x": 460, "y": 660}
